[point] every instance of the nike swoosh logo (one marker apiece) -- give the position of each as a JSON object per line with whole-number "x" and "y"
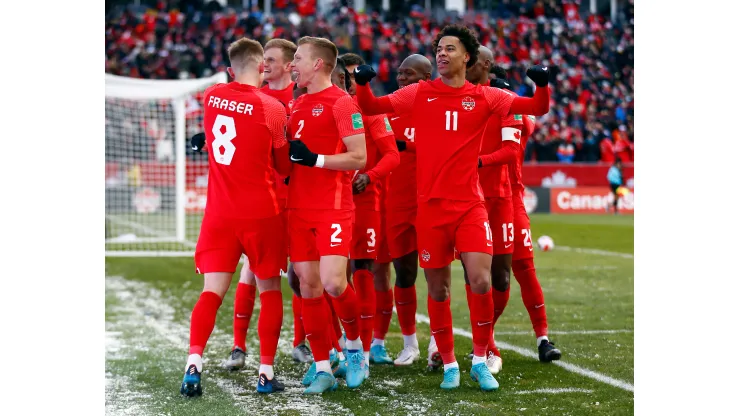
{"x": 366, "y": 316}
{"x": 438, "y": 331}
{"x": 294, "y": 159}
{"x": 395, "y": 118}
{"x": 194, "y": 147}
{"x": 241, "y": 316}
{"x": 507, "y": 246}
{"x": 484, "y": 323}
{"x": 403, "y": 303}
{"x": 346, "y": 322}
{"x": 539, "y": 306}
{"x": 387, "y": 312}
{"x": 530, "y": 249}
{"x": 334, "y": 245}
{"x": 489, "y": 244}
{"x": 370, "y": 251}
{"x": 429, "y": 100}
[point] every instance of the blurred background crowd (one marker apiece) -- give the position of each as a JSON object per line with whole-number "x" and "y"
{"x": 592, "y": 113}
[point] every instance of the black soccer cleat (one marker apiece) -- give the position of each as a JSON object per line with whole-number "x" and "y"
{"x": 191, "y": 383}
{"x": 548, "y": 352}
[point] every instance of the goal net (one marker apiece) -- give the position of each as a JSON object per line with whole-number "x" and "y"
{"x": 155, "y": 187}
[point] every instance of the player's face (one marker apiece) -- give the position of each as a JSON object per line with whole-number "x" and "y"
{"x": 451, "y": 56}
{"x": 353, "y": 84}
{"x": 275, "y": 65}
{"x": 337, "y": 78}
{"x": 303, "y": 66}
{"x": 407, "y": 75}
{"x": 475, "y": 72}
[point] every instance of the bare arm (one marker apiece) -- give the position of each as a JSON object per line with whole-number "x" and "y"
{"x": 353, "y": 159}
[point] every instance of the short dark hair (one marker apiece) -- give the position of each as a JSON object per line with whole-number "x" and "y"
{"x": 352, "y": 59}
{"x": 467, "y": 37}
{"x": 499, "y": 71}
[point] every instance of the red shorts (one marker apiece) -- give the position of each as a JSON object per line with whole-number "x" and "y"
{"x": 384, "y": 254}
{"x": 501, "y": 220}
{"x": 365, "y": 233}
{"x": 522, "y": 234}
{"x": 316, "y": 233}
{"x": 401, "y": 230}
{"x": 443, "y": 225}
{"x": 223, "y": 240}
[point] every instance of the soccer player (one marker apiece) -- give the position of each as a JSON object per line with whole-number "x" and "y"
{"x": 245, "y": 131}
{"x": 327, "y": 121}
{"x": 449, "y": 115}
{"x": 494, "y": 181}
{"x": 382, "y": 157}
{"x": 400, "y": 206}
{"x": 512, "y": 153}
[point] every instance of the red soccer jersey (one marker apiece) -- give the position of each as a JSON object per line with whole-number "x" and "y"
{"x": 321, "y": 121}
{"x": 401, "y": 190}
{"x": 495, "y": 179}
{"x": 515, "y": 168}
{"x": 376, "y": 127}
{"x": 242, "y": 126}
{"x": 449, "y": 126}
{"x": 285, "y": 96}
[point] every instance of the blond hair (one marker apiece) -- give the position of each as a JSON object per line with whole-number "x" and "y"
{"x": 244, "y": 52}
{"x": 285, "y": 45}
{"x": 322, "y": 48}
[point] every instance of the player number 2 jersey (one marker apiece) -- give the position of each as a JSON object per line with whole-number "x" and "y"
{"x": 242, "y": 127}
{"x": 449, "y": 126}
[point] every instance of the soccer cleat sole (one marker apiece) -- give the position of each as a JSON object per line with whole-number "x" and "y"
{"x": 191, "y": 390}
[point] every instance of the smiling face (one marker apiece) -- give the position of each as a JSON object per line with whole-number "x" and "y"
{"x": 353, "y": 84}
{"x": 451, "y": 56}
{"x": 275, "y": 65}
{"x": 408, "y": 75}
{"x": 304, "y": 66}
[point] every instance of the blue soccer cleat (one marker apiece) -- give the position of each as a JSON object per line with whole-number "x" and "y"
{"x": 482, "y": 375}
{"x": 339, "y": 369}
{"x": 310, "y": 375}
{"x": 321, "y": 383}
{"x": 355, "y": 368}
{"x": 452, "y": 378}
{"x": 379, "y": 355}
{"x": 191, "y": 383}
{"x": 266, "y": 386}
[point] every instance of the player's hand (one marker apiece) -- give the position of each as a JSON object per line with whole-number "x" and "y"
{"x": 361, "y": 182}
{"x": 500, "y": 83}
{"x": 363, "y": 74}
{"x": 300, "y": 154}
{"x": 286, "y": 180}
{"x": 198, "y": 141}
{"x": 539, "y": 74}
{"x": 401, "y": 144}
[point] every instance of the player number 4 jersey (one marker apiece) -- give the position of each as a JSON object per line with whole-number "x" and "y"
{"x": 449, "y": 126}
{"x": 401, "y": 185}
{"x": 242, "y": 127}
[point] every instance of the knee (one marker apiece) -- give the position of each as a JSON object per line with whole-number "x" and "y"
{"x": 439, "y": 293}
{"x": 480, "y": 280}
{"x": 406, "y": 275}
{"x": 334, "y": 284}
{"x": 500, "y": 279}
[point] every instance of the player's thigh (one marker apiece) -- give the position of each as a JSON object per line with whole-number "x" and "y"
{"x": 365, "y": 234}
{"x": 302, "y": 237}
{"x": 435, "y": 234}
{"x": 401, "y": 232}
{"x": 522, "y": 236}
{"x": 333, "y": 233}
{"x": 218, "y": 248}
{"x": 265, "y": 246}
{"x": 501, "y": 221}
{"x": 473, "y": 233}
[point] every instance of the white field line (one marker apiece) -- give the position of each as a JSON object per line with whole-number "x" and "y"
{"x": 143, "y": 303}
{"x": 596, "y": 251}
{"x": 555, "y": 391}
{"x": 146, "y": 229}
{"x": 585, "y": 332}
{"x": 527, "y": 353}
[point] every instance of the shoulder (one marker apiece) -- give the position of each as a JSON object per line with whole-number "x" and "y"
{"x": 214, "y": 87}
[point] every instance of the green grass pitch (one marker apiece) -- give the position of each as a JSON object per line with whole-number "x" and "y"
{"x": 589, "y": 296}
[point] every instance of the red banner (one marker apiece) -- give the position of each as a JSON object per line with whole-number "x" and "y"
{"x": 589, "y": 200}
{"x": 561, "y": 175}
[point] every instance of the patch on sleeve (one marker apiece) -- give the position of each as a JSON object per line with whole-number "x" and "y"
{"x": 357, "y": 121}
{"x": 387, "y": 124}
{"x": 532, "y": 118}
{"x": 518, "y": 117}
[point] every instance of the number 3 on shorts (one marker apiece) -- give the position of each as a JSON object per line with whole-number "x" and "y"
{"x": 335, "y": 239}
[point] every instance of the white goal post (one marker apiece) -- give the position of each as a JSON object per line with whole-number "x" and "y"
{"x": 154, "y": 187}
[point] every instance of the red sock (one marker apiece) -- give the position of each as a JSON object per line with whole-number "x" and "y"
{"x": 406, "y": 308}
{"x": 492, "y": 345}
{"x": 440, "y": 322}
{"x": 269, "y": 323}
{"x": 365, "y": 292}
{"x": 202, "y": 321}
{"x": 532, "y": 296}
{"x": 500, "y": 300}
{"x": 315, "y": 318}
{"x": 243, "y": 308}
{"x": 334, "y": 320}
{"x": 481, "y": 320}
{"x": 383, "y": 312}
{"x": 299, "y": 335}
{"x": 345, "y": 305}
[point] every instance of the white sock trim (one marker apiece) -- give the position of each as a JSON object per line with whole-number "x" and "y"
{"x": 267, "y": 371}
{"x": 195, "y": 359}
{"x": 478, "y": 360}
{"x": 324, "y": 366}
{"x": 451, "y": 365}
{"x": 376, "y": 341}
{"x": 355, "y": 344}
{"x": 539, "y": 339}
{"x": 411, "y": 340}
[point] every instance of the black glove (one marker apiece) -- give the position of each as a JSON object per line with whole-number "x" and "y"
{"x": 480, "y": 163}
{"x": 501, "y": 83}
{"x": 287, "y": 180}
{"x": 401, "y": 144}
{"x": 539, "y": 74}
{"x": 300, "y": 154}
{"x": 198, "y": 141}
{"x": 363, "y": 74}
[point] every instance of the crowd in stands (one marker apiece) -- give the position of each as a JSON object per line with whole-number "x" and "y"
{"x": 592, "y": 112}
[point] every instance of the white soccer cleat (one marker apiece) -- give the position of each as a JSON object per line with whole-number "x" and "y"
{"x": 407, "y": 356}
{"x": 494, "y": 363}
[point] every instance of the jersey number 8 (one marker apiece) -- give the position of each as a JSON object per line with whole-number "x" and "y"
{"x": 223, "y": 139}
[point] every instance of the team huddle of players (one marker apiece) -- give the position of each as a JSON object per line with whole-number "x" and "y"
{"x": 315, "y": 167}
